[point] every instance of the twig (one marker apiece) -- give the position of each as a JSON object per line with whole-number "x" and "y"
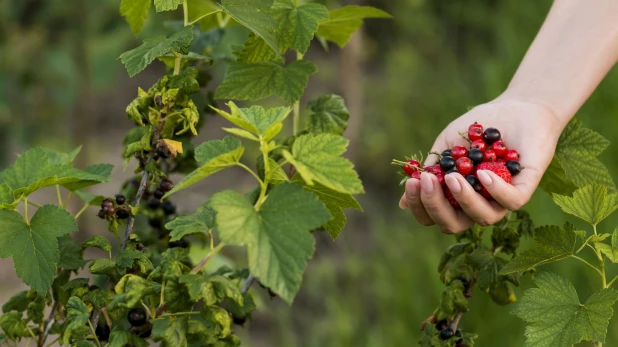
{"x": 247, "y": 285}
{"x": 52, "y": 319}
{"x": 208, "y": 256}
{"x": 455, "y": 321}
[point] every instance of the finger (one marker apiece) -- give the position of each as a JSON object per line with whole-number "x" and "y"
{"x": 439, "y": 209}
{"x": 514, "y": 196}
{"x": 472, "y": 203}
{"x": 413, "y": 202}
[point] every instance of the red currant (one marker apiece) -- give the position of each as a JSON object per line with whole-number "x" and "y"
{"x": 475, "y": 132}
{"x": 459, "y": 152}
{"x": 479, "y": 144}
{"x": 489, "y": 155}
{"x": 500, "y": 148}
{"x": 511, "y": 154}
{"x": 465, "y": 166}
{"x": 411, "y": 167}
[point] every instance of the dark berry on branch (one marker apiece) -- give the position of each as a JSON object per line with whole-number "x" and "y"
{"x": 162, "y": 152}
{"x": 491, "y": 135}
{"x": 107, "y": 203}
{"x": 166, "y": 185}
{"x": 158, "y": 193}
{"x": 102, "y": 214}
{"x": 169, "y": 208}
{"x": 154, "y": 203}
{"x": 239, "y": 321}
{"x": 111, "y": 211}
{"x": 446, "y": 334}
{"x": 103, "y": 331}
{"x": 121, "y": 199}
{"x": 137, "y": 317}
{"x": 441, "y": 325}
{"x": 122, "y": 214}
{"x": 93, "y": 287}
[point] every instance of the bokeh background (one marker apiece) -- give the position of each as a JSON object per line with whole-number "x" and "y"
{"x": 404, "y": 80}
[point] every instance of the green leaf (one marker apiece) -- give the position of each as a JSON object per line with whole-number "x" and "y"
{"x": 167, "y": 5}
{"x": 18, "y": 302}
{"x": 34, "y": 247}
{"x": 611, "y": 252}
{"x": 139, "y": 58}
{"x": 329, "y": 115}
{"x": 201, "y": 221}
{"x": 317, "y": 159}
{"x": 257, "y": 81}
{"x": 124, "y": 338}
{"x": 135, "y": 12}
{"x": 100, "y": 174}
{"x": 214, "y": 156}
{"x": 103, "y": 266}
{"x": 97, "y": 241}
{"x": 253, "y": 15}
{"x": 199, "y": 288}
{"x": 75, "y": 283}
{"x": 256, "y": 119}
{"x": 297, "y": 24}
{"x": 277, "y": 237}
{"x": 70, "y": 254}
{"x": 171, "y": 331}
{"x": 226, "y": 289}
{"x": 98, "y": 297}
{"x": 344, "y": 21}
{"x": 256, "y": 50}
{"x": 219, "y": 317}
{"x": 77, "y": 316}
{"x": 552, "y": 243}
{"x": 555, "y": 181}
{"x": 7, "y": 198}
{"x": 556, "y": 316}
{"x": 60, "y": 158}
{"x": 12, "y": 324}
{"x": 131, "y": 289}
{"x": 590, "y": 203}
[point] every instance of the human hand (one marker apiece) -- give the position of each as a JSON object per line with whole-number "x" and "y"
{"x": 531, "y": 129}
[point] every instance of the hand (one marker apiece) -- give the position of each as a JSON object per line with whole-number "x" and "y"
{"x": 531, "y": 129}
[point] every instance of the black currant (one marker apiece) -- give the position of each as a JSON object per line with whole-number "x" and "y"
{"x": 179, "y": 244}
{"x": 166, "y": 185}
{"x": 158, "y": 193}
{"x": 137, "y": 317}
{"x": 168, "y": 207}
{"x": 476, "y": 156}
{"x": 156, "y": 156}
{"x": 93, "y": 287}
{"x": 239, "y": 321}
{"x": 446, "y": 334}
{"x": 110, "y": 211}
{"x": 102, "y": 331}
{"x": 122, "y": 214}
{"x": 491, "y": 135}
{"x": 154, "y": 203}
{"x": 474, "y": 182}
{"x": 145, "y": 334}
{"x": 121, "y": 199}
{"x": 155, "y": 223}
{"x": 447, "y": 153}
{"x": 453, "y": 170}
{"x": 102, "y": 214}
{"x": 447, "y": 163}
{"x": 107, "y": 204}
{"x": 514, "y": 167}
{"x": 441, "y": 325}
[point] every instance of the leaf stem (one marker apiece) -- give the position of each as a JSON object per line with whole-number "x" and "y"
{"x": 146, "y": 308}
{"x": 204, "y": 16}
{"x": 612, "y": 281}
{"x": 205, "y": 260}
{"x": 31, "y": 333}
{"x": 296, "y": 117}
{"x": 59, "y": 196}
{"x": 185, "y": 11}
{"x": 179, "y": 314}
{"x": 590, "y": 265}
{"x": 177, "y": 63}
{"x": 264, "y": 187}
{"x": 66, "y": 201}
{"x": 252, "y": 173}
{"x": 32, "y": 203}
{"x": 248, "y": 283}
{"x": 94, "y": 333}
{"x": 26, "y": 216}
{"x": 79, "y": 213}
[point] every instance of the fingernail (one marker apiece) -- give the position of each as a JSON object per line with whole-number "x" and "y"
{"x": 412, "y": 188}
{"x": 484, "y": 178}
{"x": 453, "y": 184}
{"x": 426, "y": 183}
{"x": 403, "y": 202}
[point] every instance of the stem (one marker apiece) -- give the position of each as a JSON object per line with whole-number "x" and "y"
{"x": 603, "y": 276}
{"x": 594, "y": 228}
{"x": 66, "y": 201}
{"x": 179, "y": 314}
{"x": 208, "y": 256}
{"x": 146, "y": 308}
{"x": 52, "y": 319}
{"x": 455, "y": 322}
{"x": 52, "y": 343}
{"x": 296, "y": 117}
{"x": 94, "y": 334}
{"x": 31, "y": 334}
{"x": 245, "y": 287}
{"x": 612, "y": 281}
{"x": 26, "y": 217}
{"x": 264, "y": 187}
{"x": 59, "y": 196}
{"x": 79, "y": 213}
{"x": 212, "y": 239}
{"x": 204, "y": 16}
{"x": 590, "y": 265}
{"x": 177, "y": 63}
{"x": 185, "y": 10}
{"x": 252, "y": 173}
{"x": 32, "y": 203}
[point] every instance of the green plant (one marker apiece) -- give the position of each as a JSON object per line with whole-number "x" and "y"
{"x": 581, "y": 186}
{"x": 150, "y": 289}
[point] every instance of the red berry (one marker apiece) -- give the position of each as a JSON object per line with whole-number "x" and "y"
{"x": 437, "y": 171}
{"x": 416, "y": 174}
{"x": 449, "y": 196}
{"x": 501, "y": 161}
{"x": 440, "y": 177}
{"x": 479, "y": 144}
{"x": 489, "y": 156}
{"x": 459, "y": 152}
{"x": 511, "y": 154}
{"x": 475, "y": 132}
{"x": 499, "y": 169}
{"x": 500, "y": 148}
{"x": 411, "y": 167}
{"x": 464, "y": 166}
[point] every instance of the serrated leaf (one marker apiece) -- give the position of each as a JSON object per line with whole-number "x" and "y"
{"x": 277, "y": 237}
{"x": 214, "y": 156}
{"x": 256, "y": 50}
{"x": 12, "y": 324}
{"x": 70, "y": 254}
{"x": 139, "y": 58}
{"x": 77, "y": 316}
{"x": 552, "y": 243}
{"x": 297, "y": 24}
{"x": 344, "y": 21}
{"x": 97, "y": 241}
{"x": 103, "y": 267}
{"x": 18, "y": 302}
{"x": 226, "y": 289}
{"x": 555, "y": 181}
{"x": 200, "y": 222}
{"x": 135, "y": 12}
{"x": 131, "y": 289}
{"x": 329, "y": 115}
{"x": 253, "y": 15}
{"x": 590, "y": 203}
{"x": 169, "y": 59}
{"x": 98, "y": 297}
{"x": 34, "y": 247}
{"x": 220, "y": 318}
{"x": 75, "y": 283}
{"x": 61, "y": 158}
{"x": 241, "y": 133}
{"x": 318, "y": 159}
{"x": 7, "y": 198}
{"x": 167, "y": 5}
{"x": 257, "y": 120}
{"x": 171, "y": 331}
{"x": 556, "y": 316}
{"x": 123, "y": 338}
{"x": 100, "y": 174}
{"x": 257, "y": 81}
{"x": 199, "y": 288}
{"x": 611, "y": 252}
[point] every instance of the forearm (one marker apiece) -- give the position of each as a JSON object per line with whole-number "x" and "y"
{"x": 575, "y": 48}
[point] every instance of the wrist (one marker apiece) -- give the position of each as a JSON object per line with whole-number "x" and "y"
{"x": 548, "y": 107}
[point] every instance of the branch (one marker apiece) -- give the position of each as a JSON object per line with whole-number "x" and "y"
{"x": 52, "y": 319}
{"x": 245, "y": 287}
{"x": 208, "y": 256}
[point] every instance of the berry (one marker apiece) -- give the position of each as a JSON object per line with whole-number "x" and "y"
{"x": 239, "y": 320}
{"x": 447, "y": 163}
{"x": 137, "y": 317}
{"x": 122, "y": 214}
{"x": 154, "y": 203}
{"x": 110, "y": 211}
{"x": 476, "y": 156}
{"x": 500, "y": 148}
{"x": 416, "y": 174}
{"x": 409, "y": 168}
{"x": 491, "y": 135}
{"x": 453, "y": 170}
{"x": 475, "y": 132}
{"x": 464, "y": 165}
{"x": 446, "y": 334}
{"x": 167, "y": 185}
{"x": 514, "y": 167}
{"x": 156, "y": 156}
{"x": 102, "y": 214}
{"x": 449, "y": 196}
{"x": 168, "y": 208}
{"x": 511, "y": 154}
{"x": 440, "y": 177}
{"x": 103, "y": 331}
{"x": 93, "y": 287}
{"x": 434, "y": 169}
{"x": 120, "y": 199}
{"x": 158, "y": 193}
{"x": 500, "y": 170}
{"x": 155, "y": 223}
{"x": 479, "y": 144}
{"x": 474, "y": 182}
{"x": 447, "y": 153}
{"x": 107, "y": 204}
{"x": 489, "y": 156}
{"x": 459, "y": 152}
{"x": 441, "y": 325}
{"x": 178, "y": 244}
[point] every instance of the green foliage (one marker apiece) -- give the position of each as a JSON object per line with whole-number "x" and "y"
{"x": 343, "y": 22}
{"x": 590, "y": 203}
{"x": 136, "y": 12}
{"x": 328, "y": 115}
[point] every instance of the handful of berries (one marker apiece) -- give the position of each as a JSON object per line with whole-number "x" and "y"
{"x": 487, "y": 151}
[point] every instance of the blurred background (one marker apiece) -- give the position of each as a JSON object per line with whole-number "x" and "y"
{"x": 404, "y": 80}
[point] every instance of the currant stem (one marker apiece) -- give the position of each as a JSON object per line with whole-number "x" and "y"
{"x": 26, "y": 217}
{"x": 296, "y": 118}
{"x": 79, "y": 213}
{"x": 590, "y": 265}
{"x": 205, "y": 260}
{"x": 264, "y": 186}
{"x": 33, "y": 204}
{"x": 248, "y": 283}
{"x": 204, "y": 16}
{"x": 612, "y": 281}
{"x": 185, "y": 12}
{"x": 179, "y": 314}
{"x": 252, "y": 173}
{"x": 66, "y": 201}
{"x": 59, "y": 196}
{"x": 94, "y": 333}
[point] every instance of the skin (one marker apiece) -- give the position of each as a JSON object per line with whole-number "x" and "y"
{"x": 574, "y": 50}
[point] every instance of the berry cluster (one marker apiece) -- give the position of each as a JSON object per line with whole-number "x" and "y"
{"x": 487, "y": 151}
{"x": 110, "y": 210}
{"x": 446, "y": 333}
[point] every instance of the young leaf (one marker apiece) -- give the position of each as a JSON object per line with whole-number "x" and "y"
{"x": 611, "y": 252}
{"x": 103, "y": 266}
{"x": 256, "y": 50}
{"x": 257, "y": 81}
{"x": 590, "y": 203}
{"x": 220, "y": 317}
{"x": 131, "y": 289}
{"x": 97, "y": 241}
{"x": 12, "y": 324}
{"x": 253, "y": 15}
{"x": 70, "y": 254}
{"x": 7, "y": 198}
{"x": 344, "y": 21}
{"x": 329, "y": 115}
{"x": 122, "y": 338}
{"x": 34, "y": 247}
{"x": 199, "y": 288}
{"x": 277, "y": 236}
{"x": 215, "y": 155}
{"x": 100, "y": 174}
{"x": 77, "y": 316}
{"x": 18, "y": 302}
{"x": 297, "y": 24}
{"x": 556, "y": 316}
{"x": 138, "y": 58}
{"x": 171, "y": 331}
{"x": 256, "y": 119}
{"x": 552, "y": 243}
{"x": 167, "y": 5}
{"x": 135, "y": 12}
{"x": 200, "y": 222}
{"x": 317, "y": 159}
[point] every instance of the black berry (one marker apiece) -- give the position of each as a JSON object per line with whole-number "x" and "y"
{"x": 446, "y": 334}
{"x": 514, "y": 167}
{"x": 179, "y": 244}
{"x": 447, "y": 153}
{"x": 93, "y": 287}
{"x": 110, "y": 211}
{"x": 476, "y": 156}
{"x": 441, "y": 325}
{"x": 453, "y": 170}
{"x": 103, "y": 331}
{"x": 155, "y": 223}
{"x": 122, "y": 214}
{"x": 137, "y": 317}
{"x": 166, "y": 185}
{"x": 239, "y": 321}
{"x": 161, "y": 152}
{"x": 491, "y": 135}
{"x": 474, "y": 182}
{"x": 447, "y": 163}
{"x": 158, "y": 193}
{"x": 107, "y": 204}
{"x": 121, "y": 199}
{"x": 102, "y": 214}
{"x": 154, "y": 203}
{"x": 169, "y": 207}
{"x": 145, "y": 334}
{"x": 156, "y": 156}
